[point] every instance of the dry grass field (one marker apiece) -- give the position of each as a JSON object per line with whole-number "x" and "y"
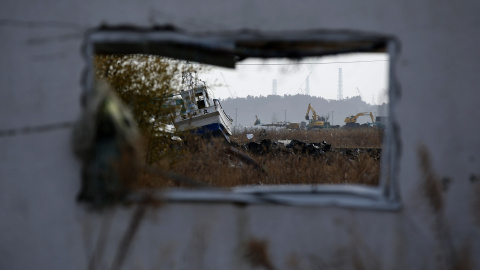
{"x": 354, "y": 158}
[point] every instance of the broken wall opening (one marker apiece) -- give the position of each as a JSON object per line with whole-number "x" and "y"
{"x": 159, "y": 76}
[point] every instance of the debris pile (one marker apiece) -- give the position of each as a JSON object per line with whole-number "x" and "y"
{"x": 267, "y": 146}
{"x": 296, "y": 147}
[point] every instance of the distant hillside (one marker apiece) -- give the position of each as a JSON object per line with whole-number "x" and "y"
{"x": 271, "y": 109}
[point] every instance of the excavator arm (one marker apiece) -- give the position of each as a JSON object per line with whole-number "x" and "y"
{"x": 371, "y": 116}
{"x": 316, "y": 122}
{"x": 307, "y": 117}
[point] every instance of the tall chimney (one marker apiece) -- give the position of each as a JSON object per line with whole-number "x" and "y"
{"x": 340, "y": 90}
{"x": 274, "y": 87}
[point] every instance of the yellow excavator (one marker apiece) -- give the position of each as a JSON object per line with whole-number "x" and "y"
{"x": 293, "y": 126}
{"x": 316, "y": 121}
{"x": 352, "y": 120}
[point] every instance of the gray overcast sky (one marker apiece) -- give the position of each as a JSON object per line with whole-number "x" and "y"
{"x": 367, "y": 71}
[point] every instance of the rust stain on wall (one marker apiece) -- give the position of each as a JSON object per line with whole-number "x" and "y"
{"x": 430, "y": 185}
{"x": 449, "y": 256}
{"x": 475, "y": 204}
{"x": 256, "y": 253}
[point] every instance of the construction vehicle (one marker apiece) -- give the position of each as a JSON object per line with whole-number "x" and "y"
{"x": 257, "y": 121}
{"x": 380, "y": 122}
{"x": 294, "y": 126}
{"x": 352, "y": 120}
{"x": 316, "y": 121}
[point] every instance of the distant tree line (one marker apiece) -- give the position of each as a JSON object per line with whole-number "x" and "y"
{"x": 273, "y": 108}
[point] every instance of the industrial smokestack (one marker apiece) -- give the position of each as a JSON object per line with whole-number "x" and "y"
{"x": 274, "y": 87}
{"x": 307, "y": 88}
{"x": 340, "y": 90}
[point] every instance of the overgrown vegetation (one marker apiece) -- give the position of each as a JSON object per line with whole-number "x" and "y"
{"x": 145, "y": 83}
{"x": 354, "y": 159}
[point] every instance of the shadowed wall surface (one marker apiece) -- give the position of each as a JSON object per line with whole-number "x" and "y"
{"x": 43, "y": 227}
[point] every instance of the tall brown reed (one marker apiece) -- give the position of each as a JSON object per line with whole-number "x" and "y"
{"x": 209, "y": 162}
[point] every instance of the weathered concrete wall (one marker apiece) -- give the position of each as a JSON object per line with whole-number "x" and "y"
{"x": 42, "y": 227}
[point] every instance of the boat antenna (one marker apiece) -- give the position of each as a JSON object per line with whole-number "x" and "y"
{"x": 228, "y": 87}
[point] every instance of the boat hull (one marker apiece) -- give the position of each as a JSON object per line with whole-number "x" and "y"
{"x": 211, "y": 120}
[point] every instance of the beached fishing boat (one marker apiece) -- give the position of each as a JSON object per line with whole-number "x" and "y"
{"x": 199, "y": 113}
